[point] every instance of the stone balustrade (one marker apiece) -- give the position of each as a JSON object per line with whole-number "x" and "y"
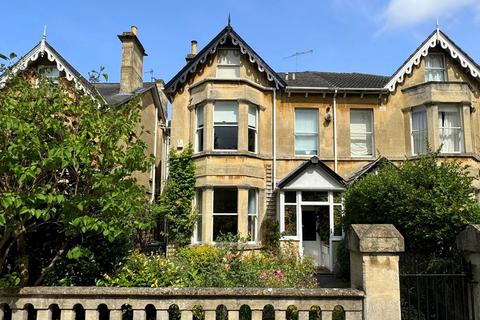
{"x": 100, "y": 303}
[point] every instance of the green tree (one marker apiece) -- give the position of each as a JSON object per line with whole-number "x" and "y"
{"x": 429, "y": 201}
{"x": 66, "y": 165}
{"x": 176, "y": 201}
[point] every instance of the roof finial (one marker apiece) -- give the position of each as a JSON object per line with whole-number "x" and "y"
{"x": 229, "y": 20}
{"x": 44, "y": 36}
{"x": 437, "y": 25}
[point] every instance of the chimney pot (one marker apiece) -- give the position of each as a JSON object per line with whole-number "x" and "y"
{"x": 194, "y": 47}
{"x": 134, "y": 30}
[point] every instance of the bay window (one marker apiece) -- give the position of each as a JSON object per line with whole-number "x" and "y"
{"x": 450, "y": 129}
{"x": 252, "y": 214}
{"x": 225, "y": 121}
{"x": 306, "y": 131}
{"x": 361, "y": 133}
{"x": 252, "y": 128}
{"x": 435, "y": 68}
{"x": 419, "y": 131}
{"x": 228, "y": 63}
{"x": 225, "y": 208}
{"x": 200, "y": 120}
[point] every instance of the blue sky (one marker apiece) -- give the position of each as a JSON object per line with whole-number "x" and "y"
{"x": 371, "y": 36}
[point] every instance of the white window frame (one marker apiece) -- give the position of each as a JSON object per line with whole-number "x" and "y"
{"x": 253, "y": 128}
{"x": 254, "y": 215}
{"x": 225, "y": 125}
{"x": 53, "y": 79}
{"x": 444, "y": 69}
{"x": 462, "y": 131}
{"x": 316, "y": 134}
{"x": 198, "y": 194}
{"x": 199, "y": 128}
{"x": 371, "y": 133}
{"x": 229, "y": 65}
{"x": 221, "y": 213}
{"x": 412, "y": 140}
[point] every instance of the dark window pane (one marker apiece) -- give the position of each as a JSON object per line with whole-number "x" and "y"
{"x": 337, "y": 221}
{"x": 200, "y": 139}
{"x": 291, "y": 220}
{"x": 225, "y": 200}
{"x": 337, "y": 197}
{"x": 290, "y": 197}
{"x": 309, "y": 224}
{"x": 223, "y": 225}
{"x": 314, "y": 196}
{"x": 252, "y": 137}
{"x": 225, "y": 138}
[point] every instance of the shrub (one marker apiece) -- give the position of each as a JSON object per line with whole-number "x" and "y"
{"x": 209, "y": 266}
{"x": 270, "y": 230}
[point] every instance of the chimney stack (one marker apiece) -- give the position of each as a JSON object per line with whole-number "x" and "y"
{"x": 131, "y": 73}
{"x": 193, "y": 51}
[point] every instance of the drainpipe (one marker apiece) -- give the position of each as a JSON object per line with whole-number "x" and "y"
{"x": 154, "y": 155}
{"x": 274, "y": 165}
{"x": 335, "y": 155}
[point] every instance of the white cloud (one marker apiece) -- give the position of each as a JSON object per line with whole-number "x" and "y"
{"x": 401, "y": 13}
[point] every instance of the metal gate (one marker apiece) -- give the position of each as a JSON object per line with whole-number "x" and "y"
{"x": 434, "y": 288}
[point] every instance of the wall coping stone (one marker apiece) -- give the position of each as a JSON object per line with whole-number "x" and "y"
{"x": 140, "y": 292}
{"x": 469, "y": 239}
{"x": 375, "y": 238}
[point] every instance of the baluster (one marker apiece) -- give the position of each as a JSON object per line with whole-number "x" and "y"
{"x": 233, "y": 314}
{"x": 91, "y": 314}
{"x": 327, "y": 315}
{"x": 2, "y": 314}
{"x": 280, "y": 314}
{"x": 209, "y": 314}
{"x": 116, "y": 314}
{"x": 139, "y": 314}
{"x": 162, "y": 314}
{"x": 256, "y": 314}
{"x": 67, "y": 314}
{"x": 302, "y": 315}
{"x": 20, "y": 314}
{"x": 44, "y": 314}
{"x": 186, "y": 315}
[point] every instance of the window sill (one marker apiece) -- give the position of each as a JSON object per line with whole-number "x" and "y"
{"x": 449, "y": 155}
{"x": 227, "y": 153}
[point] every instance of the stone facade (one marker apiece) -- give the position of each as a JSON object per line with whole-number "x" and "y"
{"x": 277, "y": 99}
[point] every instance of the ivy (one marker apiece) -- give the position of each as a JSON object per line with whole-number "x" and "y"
{"x": 176, "y": 201}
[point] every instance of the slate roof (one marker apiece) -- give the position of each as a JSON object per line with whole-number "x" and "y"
{"x": 313, "y": 161}
{"x": 334, "y": 80}
{"x": 369, "y": 168}
{"x": 112, "y": 95}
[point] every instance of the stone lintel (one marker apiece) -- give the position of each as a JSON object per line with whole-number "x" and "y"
{"x": 469, "y": 239}
{"x": 375, "y": 238}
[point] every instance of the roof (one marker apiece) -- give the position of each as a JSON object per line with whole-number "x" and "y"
{"x": 44, "y": 48}
{"x": 112, "y": 95}
{"x": 234, "y": 39}
{"x": 334, "y": 80}
{"x": 312, "y": 162}
{"x": 437, "y": 37}
{"x": 368, "y": 168}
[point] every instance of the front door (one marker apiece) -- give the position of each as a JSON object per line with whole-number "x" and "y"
{"x": 315, "y": 230}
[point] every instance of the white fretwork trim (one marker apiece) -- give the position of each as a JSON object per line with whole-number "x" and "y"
{"x": 32, "y": 56}
{"x": 447, "y": 45}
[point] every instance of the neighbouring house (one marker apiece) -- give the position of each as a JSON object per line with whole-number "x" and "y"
{"x": 286, "y": 144}
{"x": 153, "y": 123}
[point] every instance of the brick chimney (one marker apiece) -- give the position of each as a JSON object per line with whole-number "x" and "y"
{"x": 193, "y": 51}
{"x": 132, "y": 61}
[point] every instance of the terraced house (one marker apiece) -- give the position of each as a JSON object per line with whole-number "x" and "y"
{"x": 287, "y": 144}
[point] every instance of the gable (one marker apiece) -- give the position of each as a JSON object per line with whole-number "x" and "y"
{"x": 44, "y": 49}
{"x": 314, "y": 178}
{"x": 436, "y": 39}
{"x": 227, "y": 35}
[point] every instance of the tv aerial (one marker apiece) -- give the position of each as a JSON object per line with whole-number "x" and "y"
{"x": 296, "y": 55}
